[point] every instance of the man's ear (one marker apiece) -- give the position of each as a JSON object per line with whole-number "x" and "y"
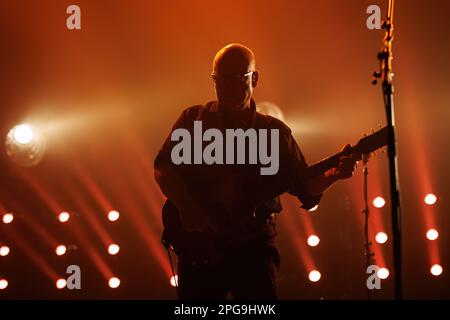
{"x": 255, "y": 77}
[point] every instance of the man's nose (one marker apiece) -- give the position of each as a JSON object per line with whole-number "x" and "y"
{"x": 230, "y": 85}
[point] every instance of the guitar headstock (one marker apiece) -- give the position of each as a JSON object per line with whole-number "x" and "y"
{"x": 372, "y": 142}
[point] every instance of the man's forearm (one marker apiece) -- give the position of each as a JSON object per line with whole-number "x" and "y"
{"x": 317, "y": 185}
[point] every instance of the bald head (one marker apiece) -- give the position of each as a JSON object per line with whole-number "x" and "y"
{"x": 234, "y": 58}
{"x": 235, "y": 76}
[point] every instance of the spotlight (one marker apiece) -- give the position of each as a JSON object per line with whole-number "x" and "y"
{"x": 113, "y": 249}
{"x": 314, "y": 276}
{"x": 436, "y": 270}
{"x": 3, "y": 284}
{"x": 114, "y": 282}
{"x": 379, "y": 202}
{"x": 381, "y": 237}
{"x": 60, "y": 250}
{"x": 8, "y": 218}
{"x": 174, "y": 281}
{"x": 314, "y": 208}
{"x": 430, "y": 199}
{"x": 383, "y": 273}
{"x": 63, "y": 217}
{"x": 432, "y": 234}
{"x": 25, "y": 145}
{"x": 113, "y": 215}
{"x": 313, "y": 240}
{"x": 4, "y": 251}
{"x": 61, "y": 283}
{"x": 22, "y": 134}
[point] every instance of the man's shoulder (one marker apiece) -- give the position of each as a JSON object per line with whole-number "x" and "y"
{"x": 194, "y": 111}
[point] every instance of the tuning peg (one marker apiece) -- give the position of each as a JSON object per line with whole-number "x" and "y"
{"x": 375, "y": 77}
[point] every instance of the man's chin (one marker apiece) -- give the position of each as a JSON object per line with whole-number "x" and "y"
{"x": 231, "y": 104}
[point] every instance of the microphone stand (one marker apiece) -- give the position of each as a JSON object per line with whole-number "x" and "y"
{"x": 368, "y": 244}
{"x": 385, "y": 74}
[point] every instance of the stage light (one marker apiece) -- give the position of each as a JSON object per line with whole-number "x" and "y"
{"x": 432, "y": 234}
{"x": 22, "y": 134}
{"x": 114, "y": 282}
{"x": 314, "y": 276}
{"x": 3, "y": 284}
{"x": 113, "y": 215}
{"x": 8, "y": 218}
{"x": 379, "y": 202}
{"x": 60, "y": 250}
{"x": 4, "y": 251}
{"x": 436, "y": 270}
{"x": 313, "y": 240}
{"x": 314, "y": 208}
{"x": 61, "y": 283}
{"x": 113, "y": 249}
{"x": 430, "y": 199}
{"x": 64, "y": 217}
{"x": 174, "y": 281}
{"x": 25, "y": 145}
{"x": 383, "y": 273}
{"x": 381, "y": 237}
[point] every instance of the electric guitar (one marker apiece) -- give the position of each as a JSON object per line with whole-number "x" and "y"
{"x": 206, "y": 247}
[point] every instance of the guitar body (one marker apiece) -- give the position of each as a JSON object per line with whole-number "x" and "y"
{"x": 207, "y": 248}
{"x": 197, "y": 248}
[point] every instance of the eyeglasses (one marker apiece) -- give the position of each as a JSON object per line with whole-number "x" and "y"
{"x": 231, "y": 77}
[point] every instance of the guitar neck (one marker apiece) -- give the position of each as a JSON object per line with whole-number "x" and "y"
{"x": 320, "y": 167}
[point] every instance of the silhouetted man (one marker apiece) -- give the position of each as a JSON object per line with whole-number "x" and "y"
{"x": 220, "y": 218}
